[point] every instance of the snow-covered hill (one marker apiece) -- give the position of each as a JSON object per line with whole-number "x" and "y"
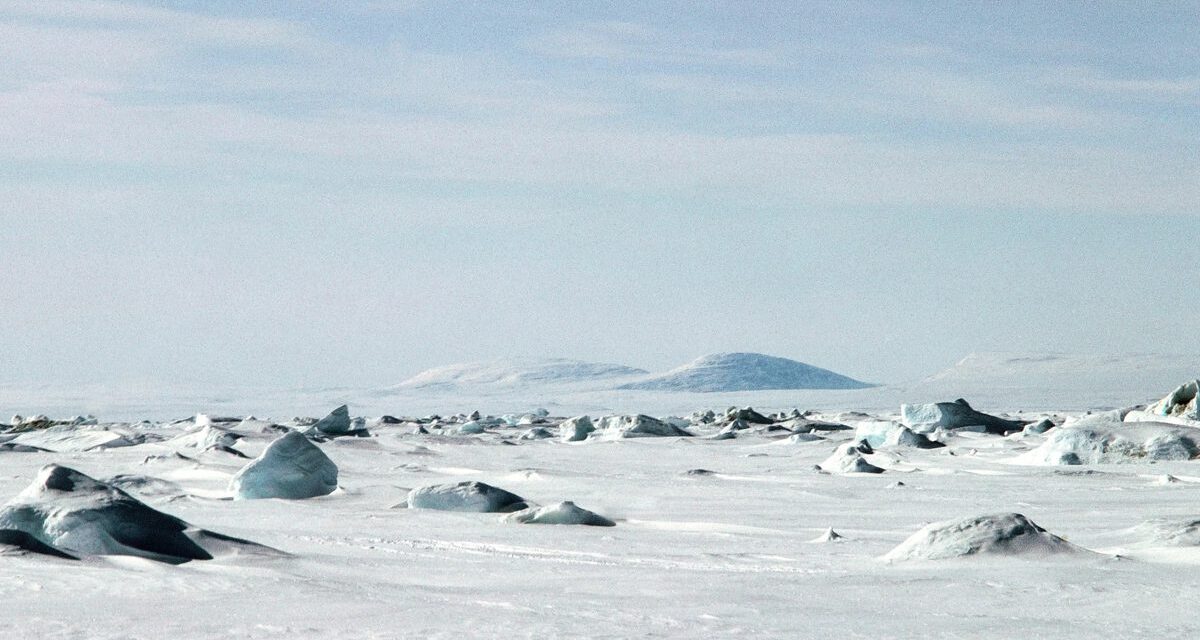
{"x": 519, "y": 373}
{"x": 744, "y": 372}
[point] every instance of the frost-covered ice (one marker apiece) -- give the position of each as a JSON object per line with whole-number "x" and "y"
{"x": 924, "y": 418}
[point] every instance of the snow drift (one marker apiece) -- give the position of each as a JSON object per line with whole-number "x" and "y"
{"x": 999, "y": 534}
{"x": 291, "y": 467}
{"x": 847, "y": 459}
{"x": 744, "y": 372}
{"x": 80, "y": 515}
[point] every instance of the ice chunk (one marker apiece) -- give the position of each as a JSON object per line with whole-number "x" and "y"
{"x": 1004, "y": 533}
{"x": 560, "y": 513}
{"x": 465, "y": 496}
{"x": 575, "y": 429}
{"x": 337, "y": 423}
{"x": 80, "y": 515}
{"x": 291, "y": 467}
{"x": 924, "y": 418}
{"x": 905, "y": 437}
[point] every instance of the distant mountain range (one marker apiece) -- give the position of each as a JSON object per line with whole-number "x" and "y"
{"x": 721, "y": 372}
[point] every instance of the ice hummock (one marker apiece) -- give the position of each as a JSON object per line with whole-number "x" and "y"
{"x": 81, "y": 516}
{"x": 560, "y": 513}
{"x": 472, "y": 496}
{"x": 925, "y": 418}
{"x": 638, "y": 426}
{"x": 291, "y": 467}
{"x": 1000, "y": 534}
{"x": 1115, "y": 442}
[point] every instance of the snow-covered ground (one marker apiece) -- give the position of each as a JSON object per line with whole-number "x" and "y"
{"x": 1088, "y": 529}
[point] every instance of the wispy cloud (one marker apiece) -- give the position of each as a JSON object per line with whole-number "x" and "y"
{"x": 626, "y": 41}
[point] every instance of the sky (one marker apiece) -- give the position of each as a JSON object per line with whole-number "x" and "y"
{"x": 346, "y": 193}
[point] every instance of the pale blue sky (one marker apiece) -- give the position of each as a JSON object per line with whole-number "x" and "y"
{"x": 340, "y": 193}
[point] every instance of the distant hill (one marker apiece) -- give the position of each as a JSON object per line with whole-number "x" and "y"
{"x": 744, "y": 372}
{"x": 1123, "y": 379}
{"x": 516, "y": 373}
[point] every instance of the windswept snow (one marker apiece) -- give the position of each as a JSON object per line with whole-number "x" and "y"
{"x": 744, "y": 372}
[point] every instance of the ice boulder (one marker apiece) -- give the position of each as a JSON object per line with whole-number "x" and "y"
{"x": 1115, "y": 443}
{"x": 639, "y": 426}
{"x": 291, "y": 467}
{"x": 847, "y": 459}
{"x": 80, "y": 515}
{"x": 560, "y": 513}
{"x": 1001, "y": 534}
{"x": 575, "y": 429}
{"x": 925, "y": 418}
{"x": 465, "y": 496}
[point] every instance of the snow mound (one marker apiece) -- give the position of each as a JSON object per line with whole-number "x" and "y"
{"x": 576, "y": 429}
{"x": 1170, "y": 533}
{"x": 924, "y": 418}
{"x": 560, "y": 513}
{"x": 291, "y": 467}
{"x": 1139, "y": 442}
{"x": 999, "y": 534}
{"x": 639, "y": 426}
{"x": 517, "y": 373}
{"x": 465, "y": 496}
{"x": 80, "y": 515}
{"x": 847, "y": 459}
{"x": 744, "y": 372}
